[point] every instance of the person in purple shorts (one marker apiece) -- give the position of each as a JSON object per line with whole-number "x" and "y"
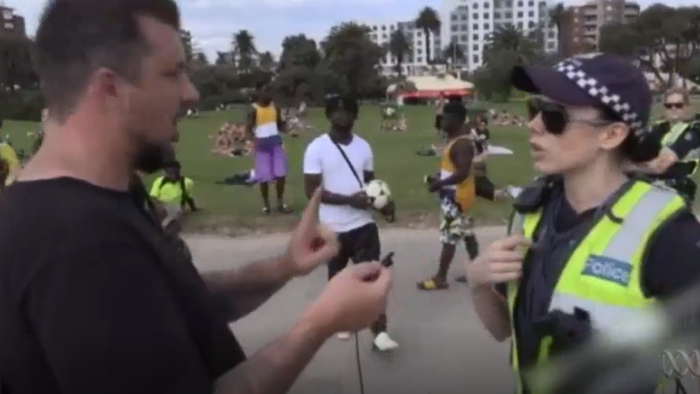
{"x": 265, "y": 127}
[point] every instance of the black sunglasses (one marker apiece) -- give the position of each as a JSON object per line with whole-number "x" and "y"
{"x": 555, "y": 117}
{"x": 674, "y": 105}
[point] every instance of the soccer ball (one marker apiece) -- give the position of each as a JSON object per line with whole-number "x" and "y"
{"x": 379, "y": 193}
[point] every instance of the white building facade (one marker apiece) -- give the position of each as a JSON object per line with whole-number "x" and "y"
{"x": 416, "y": 63}
{"x": 471, "y": 22}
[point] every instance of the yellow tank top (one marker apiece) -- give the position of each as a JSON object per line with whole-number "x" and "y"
{"x": 265, "y": 121}
{"x": 464, "y": 191}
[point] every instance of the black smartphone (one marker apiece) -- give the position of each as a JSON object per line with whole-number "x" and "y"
{"x": 388, "y": 260}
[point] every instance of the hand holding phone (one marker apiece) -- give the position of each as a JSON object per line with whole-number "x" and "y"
{"x": 386, "y": 262}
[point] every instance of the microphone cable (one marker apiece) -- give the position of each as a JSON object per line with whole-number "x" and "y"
{"x": 387, "y": 262}
{"x": 361, "y": 380}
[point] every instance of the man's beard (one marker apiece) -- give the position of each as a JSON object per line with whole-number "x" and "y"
{"x": 151, "y": 158}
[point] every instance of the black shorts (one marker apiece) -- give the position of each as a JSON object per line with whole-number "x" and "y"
{"x": 484, "y": 188}
{"x": 359, "y": 245}
{"x": 438, "y": 122}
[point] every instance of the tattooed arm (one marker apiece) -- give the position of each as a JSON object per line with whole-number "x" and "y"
{"x": 276, "y": 367}
{"x": 243, "y": 290}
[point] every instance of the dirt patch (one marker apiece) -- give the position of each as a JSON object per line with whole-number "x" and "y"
{"x": 236, "y": 227}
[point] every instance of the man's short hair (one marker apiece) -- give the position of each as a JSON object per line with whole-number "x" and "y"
{"x": 456, "y": 108}
{"x": 77, "y": 37}
{"x": 679, "y": 91}
{"x": 347, "y": 102}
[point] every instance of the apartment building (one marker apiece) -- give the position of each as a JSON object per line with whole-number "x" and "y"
{"x": 416, "y": 62}
{"x": 471, "y": 22}
{"x": 11, "y": 22}
{"x": 581, "y": 24}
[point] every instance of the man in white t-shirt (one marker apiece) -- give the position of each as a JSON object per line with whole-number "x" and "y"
{"x": 341, "y": 162}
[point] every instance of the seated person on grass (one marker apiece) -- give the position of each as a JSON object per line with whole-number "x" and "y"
{"x": 223, "y": 142}
{"x": 174, "y": 192}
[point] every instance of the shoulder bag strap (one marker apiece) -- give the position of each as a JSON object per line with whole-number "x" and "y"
{"x": 342, "y": 152}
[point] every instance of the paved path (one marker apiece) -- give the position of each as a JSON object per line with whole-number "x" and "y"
{"x": 444, "y": 348}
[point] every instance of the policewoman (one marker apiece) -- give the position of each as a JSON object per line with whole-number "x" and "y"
{"x": 588, "y": 246}
{"x": 679, "y": 133}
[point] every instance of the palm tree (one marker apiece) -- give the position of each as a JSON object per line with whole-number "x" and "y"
{"x": 244, "y": 49}
{"x": 508, "y": 38}
{"x": 399, "y": 47}
{"x": 429, "y": 21}
{"x": 454, "y": 52}
{"x": 556, "y": 19}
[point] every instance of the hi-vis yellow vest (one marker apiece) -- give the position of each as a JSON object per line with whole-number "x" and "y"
{"x": 602, "y": 276}
{"x": 673, "y": 135}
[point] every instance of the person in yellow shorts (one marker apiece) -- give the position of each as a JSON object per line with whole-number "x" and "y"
{"x": 455, "y": 187}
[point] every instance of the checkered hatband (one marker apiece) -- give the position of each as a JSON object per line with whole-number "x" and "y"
{"x": 601, "y": 92}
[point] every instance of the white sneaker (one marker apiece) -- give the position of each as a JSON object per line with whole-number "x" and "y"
{"x": 343, "y": 336}
{"x": 383, "y": 342}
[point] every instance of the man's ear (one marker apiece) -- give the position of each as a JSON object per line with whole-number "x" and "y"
{"x": 614, "y": 135}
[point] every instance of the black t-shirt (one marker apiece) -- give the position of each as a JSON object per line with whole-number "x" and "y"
{"x": 93, "y": 299}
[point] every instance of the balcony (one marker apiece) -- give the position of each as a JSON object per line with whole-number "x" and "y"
{"x": 590, "y": 10}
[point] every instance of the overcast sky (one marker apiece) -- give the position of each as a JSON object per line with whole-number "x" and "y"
{"x": 212, "y": 22}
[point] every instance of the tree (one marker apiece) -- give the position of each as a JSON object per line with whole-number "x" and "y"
{"x": 244, "y": 49}
{"x": 16, "y": 70}
{"x": 186, "y": 38}
{"x": 266, "y": 61}
{"x": 351, "y": 59}
{"x": 200, "y": 59}
{"x": 428, "y": 21}
{"x": 399, "y": 47}
{"x": 507, "y": 47}
{"x": 556, "y": 20}
{"x": 492, "y": 81}
{"x": 224, "y": 58}
{"x": 454, "y": 52}
{"x": 508, "y": 37}
{"x": 691, "y": 70}
{"x": 299, "y": 76}
{"x": 661, "y": 40}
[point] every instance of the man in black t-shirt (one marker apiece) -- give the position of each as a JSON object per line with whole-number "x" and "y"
{"x": 93, "y": 297}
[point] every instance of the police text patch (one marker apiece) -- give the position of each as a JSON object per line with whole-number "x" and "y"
{"x": 609, "y": 269}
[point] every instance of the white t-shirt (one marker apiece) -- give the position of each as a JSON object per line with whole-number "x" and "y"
{"x": 323, "y": 158}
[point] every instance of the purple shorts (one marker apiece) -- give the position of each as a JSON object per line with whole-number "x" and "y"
{"x": 270, "y": 163}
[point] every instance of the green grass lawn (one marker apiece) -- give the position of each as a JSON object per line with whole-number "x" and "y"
{"x": 239, "y": 207}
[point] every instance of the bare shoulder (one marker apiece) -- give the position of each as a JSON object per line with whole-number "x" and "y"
{"x": 463, "y": 145}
